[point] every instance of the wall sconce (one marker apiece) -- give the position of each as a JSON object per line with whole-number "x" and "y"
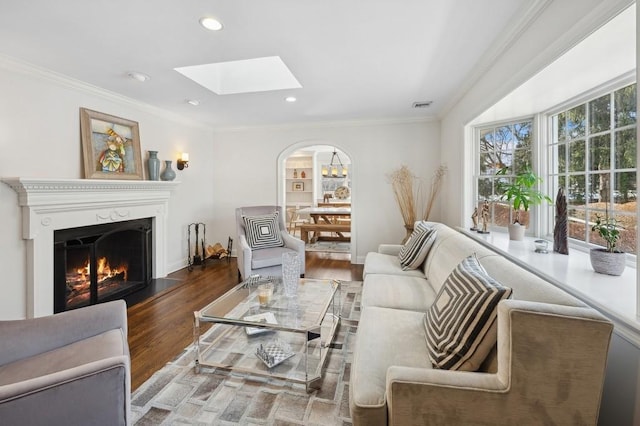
{"x": 183, "y": 161}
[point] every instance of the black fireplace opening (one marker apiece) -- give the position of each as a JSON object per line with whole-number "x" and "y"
{"x": 98, "y": 263}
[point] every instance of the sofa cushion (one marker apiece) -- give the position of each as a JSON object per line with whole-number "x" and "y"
{"x": 378, "y": 263}
{"x": 451, "y": 248}
{"x": 264, "y": 258}
{"x": 415, "y": 250}
{"x": 526, "y": 285}
{"x": 263, "y": 231}
{"x": 393, "y": 291}
{"x": 462, "y": 316}
{"x": 385, "y": 337}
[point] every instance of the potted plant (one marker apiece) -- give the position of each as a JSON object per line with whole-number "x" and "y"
{"x": 522, "y": 193}
{"x": 607, "y": 260}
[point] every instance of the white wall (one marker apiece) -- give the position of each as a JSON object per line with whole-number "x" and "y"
{"x": 246, "y": 161}
{"x": 40, "y": 137}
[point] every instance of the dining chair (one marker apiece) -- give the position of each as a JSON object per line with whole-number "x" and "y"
{"x": 295, "y": 220}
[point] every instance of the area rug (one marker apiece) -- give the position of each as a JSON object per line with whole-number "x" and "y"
{"x": 329, "y": 246}
{"x": 176, "y": 395}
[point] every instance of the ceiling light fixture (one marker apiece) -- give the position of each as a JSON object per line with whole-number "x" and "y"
{"x": 138, "y": 76}
{"x": 290, "y": 99}
{"x": 211, "y": 24}
{"x": 332, "y": 169}
{"x": 193, "y": 102}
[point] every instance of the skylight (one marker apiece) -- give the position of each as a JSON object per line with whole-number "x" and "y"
{"x": 244, "y": 76}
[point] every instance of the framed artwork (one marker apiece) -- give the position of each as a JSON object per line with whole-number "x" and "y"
{"x": 110, "y": 146}
{"x": 298, "y": 186}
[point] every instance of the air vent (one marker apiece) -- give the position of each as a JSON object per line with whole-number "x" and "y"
{"x": 422, "y": 104}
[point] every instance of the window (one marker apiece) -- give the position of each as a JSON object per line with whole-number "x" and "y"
{"x": 593, "y": 157}
{"x": 505, "y": 145}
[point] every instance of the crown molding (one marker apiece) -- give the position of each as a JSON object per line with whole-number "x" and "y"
{"x": 34, "y": 71}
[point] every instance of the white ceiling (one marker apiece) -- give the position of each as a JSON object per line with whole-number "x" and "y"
{"x": 358, "y": 59}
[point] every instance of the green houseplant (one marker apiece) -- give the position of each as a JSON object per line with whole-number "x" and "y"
{"x": 521, "y": 193}
{"x": 607, "y": 260}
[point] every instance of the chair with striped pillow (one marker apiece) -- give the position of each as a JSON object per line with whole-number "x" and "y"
{"x": 262, "y": 239}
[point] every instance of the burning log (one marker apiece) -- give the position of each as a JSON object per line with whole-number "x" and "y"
{"x": 117, "y": 277}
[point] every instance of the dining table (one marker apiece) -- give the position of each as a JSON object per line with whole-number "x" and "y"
{"x": 329, "y": 216}
{"x": 326, "y": 214}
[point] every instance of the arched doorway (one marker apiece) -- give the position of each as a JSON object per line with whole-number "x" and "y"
{"x": 316, "y": 174}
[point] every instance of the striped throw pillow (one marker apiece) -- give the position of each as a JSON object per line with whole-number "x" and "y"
{"x": 415, "y": 250}
{"x": 263, "y": 231}
{"x": 462, "y": 316}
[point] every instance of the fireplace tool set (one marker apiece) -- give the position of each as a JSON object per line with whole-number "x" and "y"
{"x": 198, "y": 257}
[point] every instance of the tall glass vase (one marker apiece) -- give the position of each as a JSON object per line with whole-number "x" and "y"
{"x": 290, "y": 273}
{"x": 154, "y": 165}
{"x": 168, "y": 173}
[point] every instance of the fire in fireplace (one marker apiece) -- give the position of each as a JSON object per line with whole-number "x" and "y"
{"x": 95, "y": 264}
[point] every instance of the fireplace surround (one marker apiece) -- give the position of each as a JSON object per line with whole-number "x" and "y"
{"x": 53, "y": 204}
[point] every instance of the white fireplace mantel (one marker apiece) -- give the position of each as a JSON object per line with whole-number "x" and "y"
{"x": 52, "y": 204}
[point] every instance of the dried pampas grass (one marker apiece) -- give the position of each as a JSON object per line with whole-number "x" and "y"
{"x": 409, "y": 193}
{"x": 436, "y": 184}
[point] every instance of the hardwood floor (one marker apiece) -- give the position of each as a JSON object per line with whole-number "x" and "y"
{"x": 162, "y": 326}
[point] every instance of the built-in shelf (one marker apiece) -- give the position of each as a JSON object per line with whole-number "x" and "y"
{"x": 296, "y": 166}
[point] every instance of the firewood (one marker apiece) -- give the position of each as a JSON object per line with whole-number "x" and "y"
{"x": 216, "y": 250}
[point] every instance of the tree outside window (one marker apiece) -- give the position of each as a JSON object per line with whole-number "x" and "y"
{"x": 506, "y": 145}
{"x": 593, "y": 157}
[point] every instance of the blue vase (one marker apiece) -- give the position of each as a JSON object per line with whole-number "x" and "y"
{"x": 168, "y": 173}
{"x": 154, "y": 165}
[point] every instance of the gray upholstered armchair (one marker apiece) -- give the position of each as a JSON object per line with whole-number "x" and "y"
{"x": 71, "y": 368}
{"x": 268, "y": 260}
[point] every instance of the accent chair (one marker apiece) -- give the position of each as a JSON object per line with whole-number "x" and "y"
{"x": 71, "y": 368}
{"x": 262, "y": 245}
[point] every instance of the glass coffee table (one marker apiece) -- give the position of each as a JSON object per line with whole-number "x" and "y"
{"x": 286, "y": 337}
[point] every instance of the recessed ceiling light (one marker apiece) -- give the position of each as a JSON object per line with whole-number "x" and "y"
{"x": 290, "y": 99}
{"x": 193, "y": 102}
{"x": 138, "y": 76}
{"x": 211, "y": 23}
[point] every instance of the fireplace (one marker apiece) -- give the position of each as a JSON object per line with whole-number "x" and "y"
{"x": 49, "y": 205}
{"x": 99, "y": 263}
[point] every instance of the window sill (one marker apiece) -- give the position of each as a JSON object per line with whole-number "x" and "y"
{"x": 614, "y": 297}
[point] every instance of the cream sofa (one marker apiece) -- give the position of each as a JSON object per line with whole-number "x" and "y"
{"x": 547, "y": 367}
